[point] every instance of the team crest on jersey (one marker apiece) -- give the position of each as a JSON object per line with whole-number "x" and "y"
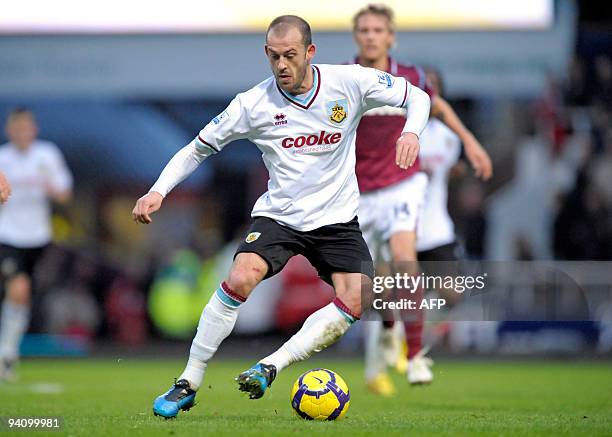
{"x": 252, "y": 237}
{"x": 337, "y": 110}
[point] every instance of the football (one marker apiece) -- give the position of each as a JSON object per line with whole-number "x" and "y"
{"x": 320, "y": 394}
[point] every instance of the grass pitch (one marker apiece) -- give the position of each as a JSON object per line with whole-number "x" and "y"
{"x": 114, "y": 397}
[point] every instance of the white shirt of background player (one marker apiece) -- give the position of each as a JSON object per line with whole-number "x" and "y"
{"x": 25, "y": 220}
{"x": 440, "y": 151}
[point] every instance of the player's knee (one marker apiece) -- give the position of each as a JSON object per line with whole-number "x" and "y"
{"x": 242, "y": 281}
{"x": 248, "y": 270}
{"x": 19, "y": 289}
{"x": 351, "y": 298}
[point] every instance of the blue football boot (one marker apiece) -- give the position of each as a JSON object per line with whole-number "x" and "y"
{"x": 256, "y": 380}
{"x": 179, "y": 397}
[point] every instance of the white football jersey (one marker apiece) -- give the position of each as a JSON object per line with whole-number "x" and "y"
{"x": 440, "y": 150}
{"x": 307, "y": 142}
{"x": 25, "y": 220}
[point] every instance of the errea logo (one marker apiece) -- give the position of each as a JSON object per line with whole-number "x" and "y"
{"x": 280, "y": 119}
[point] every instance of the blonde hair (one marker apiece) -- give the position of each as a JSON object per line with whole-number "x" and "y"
{"x": 376, "y": 9}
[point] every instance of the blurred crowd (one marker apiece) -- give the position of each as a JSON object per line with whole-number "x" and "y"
{"x": 558, "y": 204}
{"x": 583, "y": 224}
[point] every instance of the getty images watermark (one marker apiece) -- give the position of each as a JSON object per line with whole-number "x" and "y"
{"x": 491, "y": 291}
{"x": 388, "y": 290}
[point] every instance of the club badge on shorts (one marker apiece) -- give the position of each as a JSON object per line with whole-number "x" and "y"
{"x": 252, "y": 237}
{"x": 337, "y": 110}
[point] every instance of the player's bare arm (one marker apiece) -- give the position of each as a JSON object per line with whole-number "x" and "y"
{"x": 5, "y": 189}
{"x": 476, "y": 154}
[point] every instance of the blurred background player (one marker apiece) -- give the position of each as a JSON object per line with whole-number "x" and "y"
{"x": 436, "y": 239}
{"x": 38, "y": 174}
{"x": 439, "y": 155}
{"x": 5, "y": 189}
{"x": 391, "y": 197}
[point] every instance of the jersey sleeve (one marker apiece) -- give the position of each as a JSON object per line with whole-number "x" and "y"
{"x": 379, "y": 88}
{"x": 59, "y": 175}
{"x": 232, "y": 124}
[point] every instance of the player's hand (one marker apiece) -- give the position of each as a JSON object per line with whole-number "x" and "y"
{"x": 5, "y": 189}
{"x": 479, "y": 158}
{"x": 145, "y": 206}
{"x": 407, "y": 150}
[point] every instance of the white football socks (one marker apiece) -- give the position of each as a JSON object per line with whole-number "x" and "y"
{"x": 216, "y": 323}
{"x": 319, "y": 331}
{"x": 374, "y": 363}
{"x": 13, "y": 325}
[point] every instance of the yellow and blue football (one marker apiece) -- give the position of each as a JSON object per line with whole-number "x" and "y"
{"x": 320, "y": 394}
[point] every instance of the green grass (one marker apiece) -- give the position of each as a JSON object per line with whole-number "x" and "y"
{"x": 109, "y": 397}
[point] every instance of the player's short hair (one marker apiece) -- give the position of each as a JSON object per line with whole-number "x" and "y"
{"x": 18, "y": 112}
{"x": 285, "y": 22}
{"x": 376, "y": 9}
